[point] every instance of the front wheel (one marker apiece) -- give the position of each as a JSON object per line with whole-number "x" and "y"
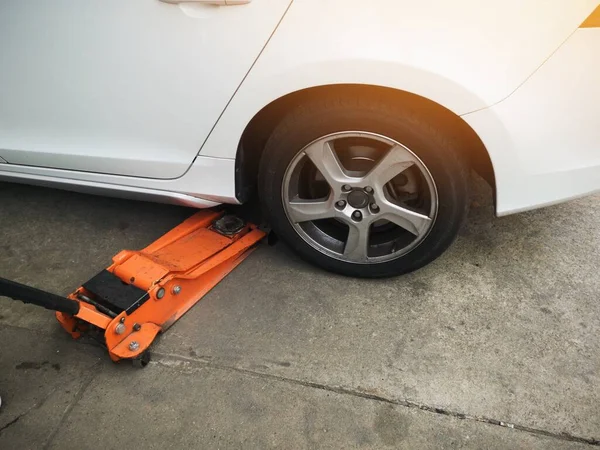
{"x": 363, "y": 188}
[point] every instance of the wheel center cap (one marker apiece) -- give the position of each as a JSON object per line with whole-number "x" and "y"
{"x": 358, "y": 199}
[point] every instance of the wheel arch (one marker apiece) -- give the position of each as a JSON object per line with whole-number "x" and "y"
{"x": 260, "y": 127}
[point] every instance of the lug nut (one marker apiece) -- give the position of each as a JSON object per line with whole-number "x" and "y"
{"x": 374, "y": 207}
{"x": 357, "y": 215}
{"x": 369, "y": 190}
{"x": 137, "y": 327}
{"x": 341, "y": 204}
{"x": 176, "y": 290}
{"x": 346, "y": 187}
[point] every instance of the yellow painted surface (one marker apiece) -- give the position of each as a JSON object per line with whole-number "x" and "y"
{"x": 593, "y": 21}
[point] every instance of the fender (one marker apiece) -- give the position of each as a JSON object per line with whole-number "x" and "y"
{"x": 258, "y": 92}
{"x": 465, "y": 55}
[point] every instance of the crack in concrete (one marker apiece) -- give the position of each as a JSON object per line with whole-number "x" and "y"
{"x": 23, "y": 414}
{"x": 12, "y": 422}
{"x": 168, "y": 359}
{"x": 69, "y": 409}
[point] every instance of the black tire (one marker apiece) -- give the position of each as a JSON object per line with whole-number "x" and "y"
{"x": 410, "y": 126}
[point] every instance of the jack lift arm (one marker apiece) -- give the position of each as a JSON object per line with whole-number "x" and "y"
{"x": 144, "y": 292}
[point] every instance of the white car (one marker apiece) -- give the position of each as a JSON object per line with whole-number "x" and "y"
{"x": 357, "y": 120}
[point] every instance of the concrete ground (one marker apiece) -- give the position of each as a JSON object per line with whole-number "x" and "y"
{"x": 495, "y": 345}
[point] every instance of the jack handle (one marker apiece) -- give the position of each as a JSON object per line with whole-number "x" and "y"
{"x": 28, "y": 294}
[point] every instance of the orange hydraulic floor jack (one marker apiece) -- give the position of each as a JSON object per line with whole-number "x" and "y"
{"x": 144, "y": 292}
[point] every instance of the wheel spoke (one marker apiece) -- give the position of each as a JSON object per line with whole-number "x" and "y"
{"x": 357, "y": 244}
{"x": 412, "y": 221}
{"x": 324, "y": 158}
{"x": 300, "y": 210}
{"x": 386, "y": 226}
{"x": 394, "y": 162}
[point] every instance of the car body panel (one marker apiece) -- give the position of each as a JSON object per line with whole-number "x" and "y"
{"x": 495, "y": 63}
{"x": 123, "y": 87}
{"x": 544, "y": 140}
{"x": 465, "y": 55}
{"x": 106, "y": 188}
{"x": 210, "y": 180}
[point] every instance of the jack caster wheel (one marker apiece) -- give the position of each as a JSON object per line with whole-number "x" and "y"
{"x": 141, "y": 361}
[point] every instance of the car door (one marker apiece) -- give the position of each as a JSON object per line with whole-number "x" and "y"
{"x": 128, "y": 87}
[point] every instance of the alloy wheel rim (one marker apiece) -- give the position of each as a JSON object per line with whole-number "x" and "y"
{"x": 360, "y": 197}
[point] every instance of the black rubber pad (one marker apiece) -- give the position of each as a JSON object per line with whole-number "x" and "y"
{"x": 110, "y": 291}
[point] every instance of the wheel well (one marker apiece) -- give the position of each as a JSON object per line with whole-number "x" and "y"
{"x": 261, "y": 126}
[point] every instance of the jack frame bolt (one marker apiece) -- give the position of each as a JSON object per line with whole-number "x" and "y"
{"x": 134, "y": 345}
